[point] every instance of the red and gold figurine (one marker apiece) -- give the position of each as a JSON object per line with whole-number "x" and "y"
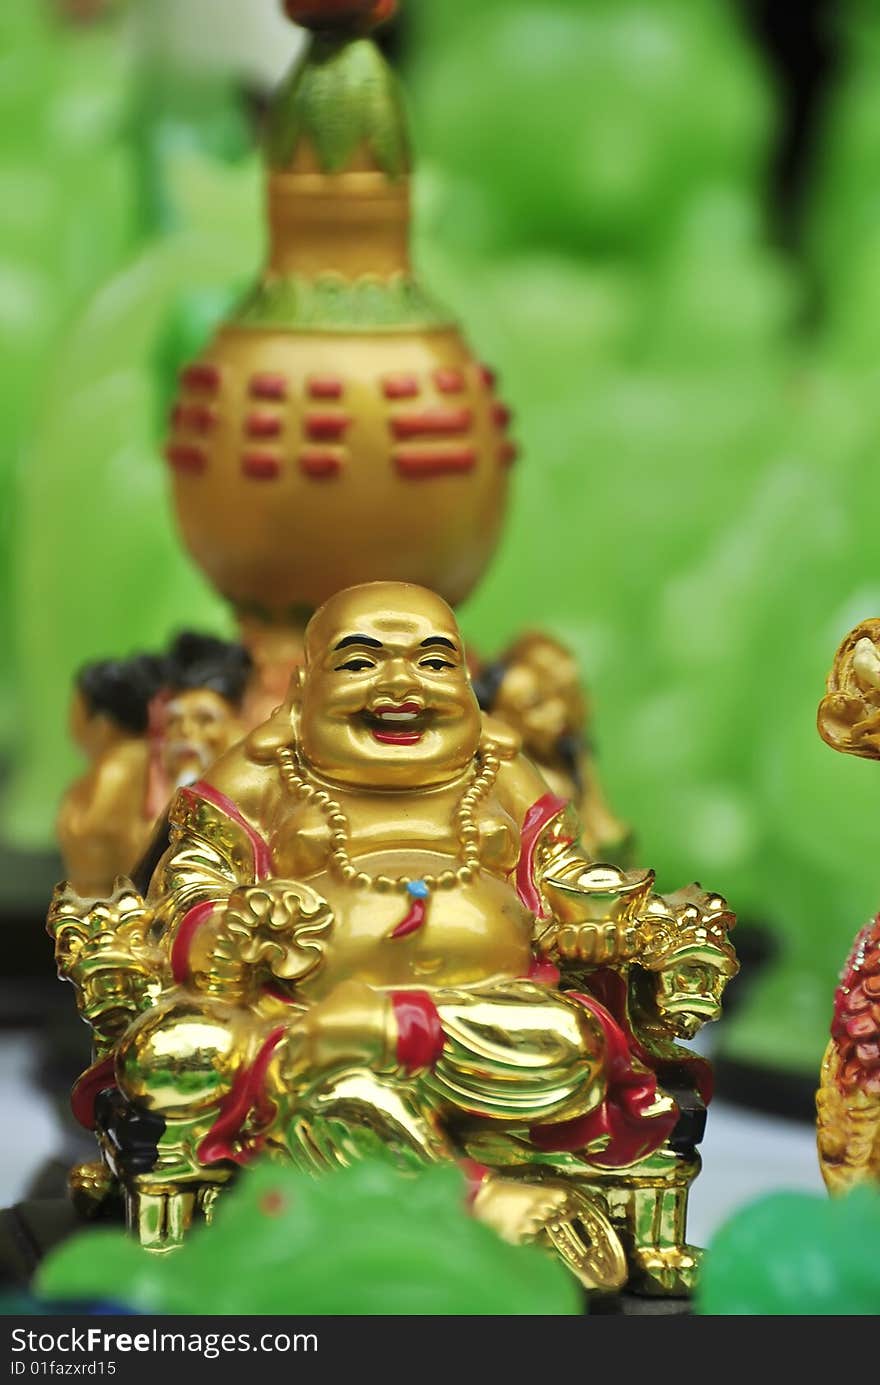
{"x": 848, "y": 1100}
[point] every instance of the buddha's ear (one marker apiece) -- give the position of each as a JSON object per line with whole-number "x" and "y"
{"x": 500, "y": 738}
{"x": 294, "y": 699}
{"x": 282, "y": 728}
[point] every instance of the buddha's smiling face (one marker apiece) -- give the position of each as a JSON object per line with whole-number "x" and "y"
{"x": 386, "y": 698}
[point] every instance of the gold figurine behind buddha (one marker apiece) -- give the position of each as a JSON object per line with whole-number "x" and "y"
{"x": 146, "y": 725}
{"x": 374, "y": 927}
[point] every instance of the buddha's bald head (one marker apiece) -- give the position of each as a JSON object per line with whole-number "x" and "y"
{"x": 386, "y": 696}
{"x": 376, "y": 609}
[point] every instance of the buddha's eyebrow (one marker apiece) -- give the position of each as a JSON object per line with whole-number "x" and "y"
{"x": 438, "y": 639}
{"x": 358, "y": 639}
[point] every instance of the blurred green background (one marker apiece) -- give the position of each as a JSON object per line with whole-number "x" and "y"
{"x": 659, "y": 220}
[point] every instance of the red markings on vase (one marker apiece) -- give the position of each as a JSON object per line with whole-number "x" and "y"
{"x": 419, "y": 463}
{"x": 488, "y": 376}
{"x": 327, "y": 427}
{"x": 508, "y": 453}
{"x": 198, "y": 418}
{"x": 268, "y": 387}
{"x": 441, "y": 419}
{"x": 543, "y": 972}
{"x": 501, "y": 415}
{"x": 325, "y": 387}
{"x": 449, "y": 380}
{"x": 263, "y": 425}
{"x": 320, "y": 463}
{"x": 185, "y": 457}
{"x": 201, "y": 376}
{"x": 401, "y": 386}
{"x": 260, "y": 466}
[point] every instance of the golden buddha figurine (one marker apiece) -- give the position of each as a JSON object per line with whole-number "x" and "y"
{"x": 374, "y": 926}
{"x": 848, "y": 1100}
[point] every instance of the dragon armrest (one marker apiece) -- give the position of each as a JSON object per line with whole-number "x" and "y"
{"x": 103, "y": 947}
{"x": 686, "y": 960}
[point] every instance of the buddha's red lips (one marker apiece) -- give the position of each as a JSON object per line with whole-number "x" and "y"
{"x": 397, "y": 737}
{"x": 396, "y": 724}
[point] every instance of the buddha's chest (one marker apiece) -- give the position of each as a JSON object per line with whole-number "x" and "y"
{"x": 303, "y": 838}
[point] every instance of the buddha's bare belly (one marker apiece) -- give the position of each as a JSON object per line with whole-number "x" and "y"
{"x": 471, "y": 933}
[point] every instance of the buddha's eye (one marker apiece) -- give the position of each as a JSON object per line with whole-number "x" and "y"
{"x": 436, "y": 664}
{"x": 356, "y": 665}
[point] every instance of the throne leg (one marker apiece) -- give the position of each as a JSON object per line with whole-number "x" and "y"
{"x": 648, "y": 1206}
{"x": 155, "y": 1166}
{"x": 662, "y": 1261}
{"x": 160, "y": 1216}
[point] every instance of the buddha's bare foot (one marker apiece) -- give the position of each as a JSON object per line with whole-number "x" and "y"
{"x": 562, "y": 1217}
{"x": 670, "y": 1272}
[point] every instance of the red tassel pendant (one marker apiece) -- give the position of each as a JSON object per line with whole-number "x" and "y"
{"x": 417, "y": 912}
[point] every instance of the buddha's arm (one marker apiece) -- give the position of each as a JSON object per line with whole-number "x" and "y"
{"x": 216, "y": 846}
{"x": 226, "y": 921}
{"x": 586, "y": 911}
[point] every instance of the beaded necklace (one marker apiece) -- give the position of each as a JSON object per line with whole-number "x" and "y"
{"x": 419, "y": 891}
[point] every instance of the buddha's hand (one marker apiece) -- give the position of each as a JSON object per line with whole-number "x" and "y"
{"x": 597, "y": 913}
{"x": 688, "y": 953}
{"x": 594, "y": 944}
{"x": 354, "y": 1024}
{"x": 281, "y": 926}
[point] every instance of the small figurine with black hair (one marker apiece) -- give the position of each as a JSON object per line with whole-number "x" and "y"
{"x": 197, "y": 718}
{"x": 149, "y": 725}
{"x": 98, "y": 834}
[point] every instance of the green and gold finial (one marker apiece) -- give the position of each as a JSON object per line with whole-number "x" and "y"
{"x": 342, "y": 102}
